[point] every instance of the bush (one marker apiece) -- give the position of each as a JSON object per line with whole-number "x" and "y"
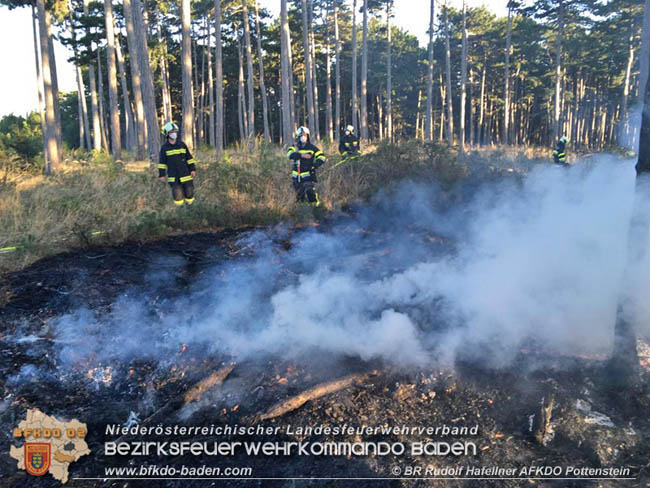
{"x": 21, "y": 137}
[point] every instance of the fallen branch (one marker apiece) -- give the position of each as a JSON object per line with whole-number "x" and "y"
{"x": 215, "y": 379}
{"x": 313, "y": 393}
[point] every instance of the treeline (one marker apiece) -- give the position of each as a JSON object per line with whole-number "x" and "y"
{"x": 228, "y": 72}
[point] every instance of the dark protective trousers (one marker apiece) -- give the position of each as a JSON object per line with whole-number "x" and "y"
{"x": 183, "y": 192}
{"x": 305, "y": 191}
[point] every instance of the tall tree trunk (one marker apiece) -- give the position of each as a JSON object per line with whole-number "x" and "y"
{"x": 364, "y": 74}
{"x": 265, "y": 97}
{"x": 309, "y": 86}
{"x": 201, "y": 105}
{"x": 241, "y": 96}
{"x": 51, "y": 147}
{"x": 463, "y": 82}
{"x": 380, "y": 117}
{"x": 628, "y": 74}
{"x": 328, "y": 93}
{"x": 164, "y": 73}
{"x": 314, "y": 76}
{"x": 287, "y": 74}
{"x": 84, "y": 131}
{"x": 97, "y": 133}
{"x": 186, "y": 57}
{"x": 337, "y": 74}
{"x": 389, "y": 78}
{"x": 116, "y": 140}
{"x": 129, "y": 125}
{"x": 329, "y": 122}
{"x": 251, "y": 75}
{"x": 136, "y": 82}
{"x": 148, "y": 95}
{"x": 211, "y": 134}
{"x": 471, "y": 107}
{"x": 100, "y": 96}
{"x": 55, "y": 84}
{"x": 355, "y": 103}
{"x": 218, "y": 61}
{"x": 450, "y": 111}
{"x": 442, "y": 109}
{"x": 428, "y": 120}
{"x": 417, "y": 116}
{"x": 506, "y": 88}
{"x": 558, "y": 71}
{"x": 39, "y": 82}
{"x": 644, "y": 59}
{"x": 481, "y": 117}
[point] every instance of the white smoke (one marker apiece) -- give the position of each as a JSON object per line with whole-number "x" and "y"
{"x": 537, "y": 260}
{"x": 629, "y": 128}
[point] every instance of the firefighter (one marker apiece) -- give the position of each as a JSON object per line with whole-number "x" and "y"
{"x": 349, "y": 144}
{"x": 306, "y": 158}
{"x": 177, "y": 166}
{"x": 559, "y": 154}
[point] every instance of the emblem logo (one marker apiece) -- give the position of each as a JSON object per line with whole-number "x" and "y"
{"x": 37, "y": 458}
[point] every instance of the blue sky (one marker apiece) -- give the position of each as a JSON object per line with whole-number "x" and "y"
{"x": 18, "y": 84}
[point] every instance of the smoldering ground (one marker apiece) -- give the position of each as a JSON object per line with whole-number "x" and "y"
{"x": 418, "y": 277}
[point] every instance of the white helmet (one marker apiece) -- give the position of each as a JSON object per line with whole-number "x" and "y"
{"x": 564, "y": 139}
{"x": 170, "y": 127}
{"x": 302, "y": 130}
{"x": 350, "y": 129}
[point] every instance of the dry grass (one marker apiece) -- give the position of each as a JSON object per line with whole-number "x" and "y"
{"x": 46, "y": 215}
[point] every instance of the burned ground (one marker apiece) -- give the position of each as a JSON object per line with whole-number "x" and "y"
{"x": 591, "y": 424}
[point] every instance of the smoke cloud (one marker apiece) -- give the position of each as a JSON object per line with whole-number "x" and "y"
{"x": 416, "y": 278}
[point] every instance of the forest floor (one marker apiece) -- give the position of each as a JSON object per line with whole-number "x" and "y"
{"x": 72, "y": 347}
{"x": 591, "y": 424}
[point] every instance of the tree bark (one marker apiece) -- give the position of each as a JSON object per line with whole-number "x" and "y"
{"x": 148, "y": 95}
{"x": 389, "y": 79}
{"x": 251, "y": 75}
{"x": 186, "y": 60}
{"x": 506, "y": 88}
{"x": 337, "y": 75}
{"x": 55, "y": 85}
{"x": 463, "y": 82}
{"x": 355, "y": 103}
{"x": 364, "y": 74}
{"x": 218, "y": 61}
{"x": 136, "y": 82}
{"x": 164, "y": 73}
{"x": 260, "y": 56}
{"x": 309, "y": 86}
{"x": 100, "y": 96}
{"x": 51, "y": 147}
{"x": 116, "y": 140}
{"x": 129, "y": 125}
{"x": 211, "y": 134}
{"x": 314, "y": 76}
{"x": 241, "y": 97}
{"x": 450, "y": 108}
{"x": 286, "y": 72}
{"x": 84, "y": 130}
{"x": 428, "y": 120}
{"x": 39, "y": 82}
{"x": 328, "y": 85}
{"x": 558, "y": 72}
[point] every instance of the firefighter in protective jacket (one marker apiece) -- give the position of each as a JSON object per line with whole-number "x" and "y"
{"x": 349, "y": 144}
{"x": 306, "y": 158}
{"x": 177, "y": 166}
{"x": 559, "y": 153}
